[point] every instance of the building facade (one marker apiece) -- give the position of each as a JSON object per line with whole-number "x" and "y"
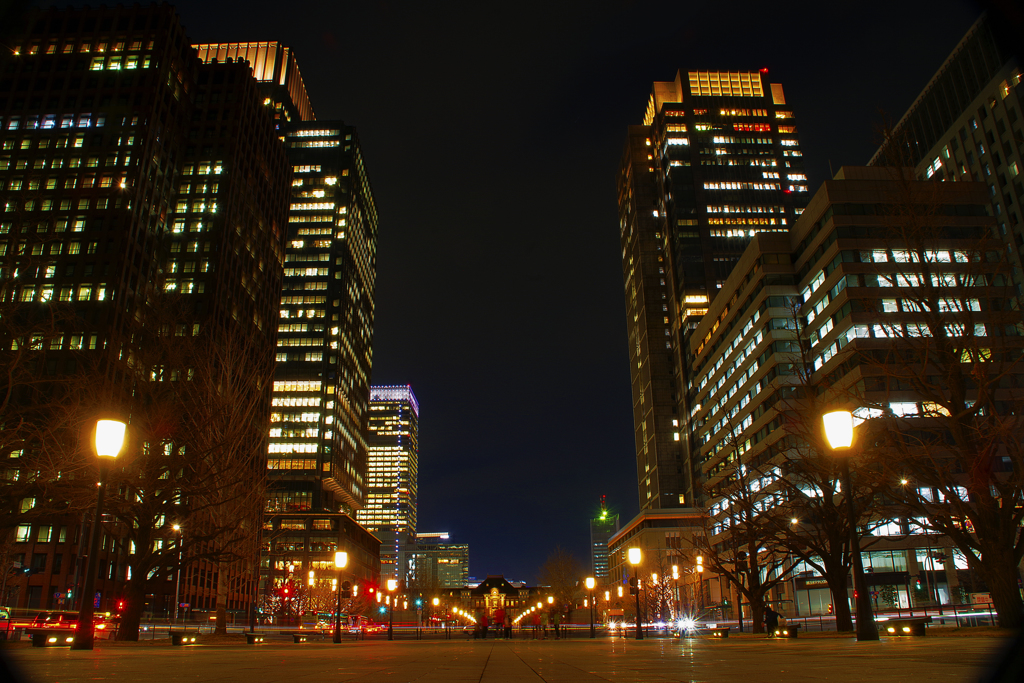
{"x": 432, "y": 561}
{"x": 392, "y": 472}
{"x": 147, "y": 184}
{"x": 716, "y": 161}
{"x": 966, "y": 125}
{"x": 820, "y": 313}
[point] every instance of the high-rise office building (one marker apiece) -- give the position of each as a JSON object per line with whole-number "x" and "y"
{"x": 136, "y": 177}
{"x": 432, "y": 561}
{"x": 317, "y": 450}
{"x": 602, "y": 527}
{"x": 392, "y": 471}
{"x": 966, "y": 125}
{"x": 716, "y": 161}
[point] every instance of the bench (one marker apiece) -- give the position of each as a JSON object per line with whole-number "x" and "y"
{"x": 905, "y": 626}
{"x": 787, "y": 631}
{"x": 51, "y": 637}
{"x": 179, "y": 638}
{"x": 254, "y": 638}
{"x": 720, "y": 632}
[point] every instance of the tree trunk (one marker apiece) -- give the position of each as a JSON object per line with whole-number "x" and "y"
{"x": 131, "y": 616}
{"x": 757, "y": 613}
{"x": 222, "y": 598}
{"x": 836, "y": 575}
{"x": 1002, "y": 577}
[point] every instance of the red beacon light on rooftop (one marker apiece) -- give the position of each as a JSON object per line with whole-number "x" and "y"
{"x": 764, "y": 70}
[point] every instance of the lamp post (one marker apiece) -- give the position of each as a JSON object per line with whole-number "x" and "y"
{"x": 109, "y": 441}
{"x": 590, "y": 587}
{"x": 839, "y": 432}
{"x": 634, "y": 559}
{"x": 392, "y": 586}
{"x": 340, "y": 561}
{"x": 177, "y": 580}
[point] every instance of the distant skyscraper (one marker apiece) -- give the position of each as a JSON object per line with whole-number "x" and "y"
{"x": 393, "y": 467}
{"x": 602, "y": 527}
{"x": 432, "y": 561}
{"x": 716, "y": 161}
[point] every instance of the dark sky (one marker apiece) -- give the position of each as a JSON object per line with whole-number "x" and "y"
{"x": 492, "y": 133}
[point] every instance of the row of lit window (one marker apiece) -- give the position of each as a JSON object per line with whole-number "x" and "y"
{"x": 117, "y": 63}
{"x": 46, "y": 293}
{"x": 84, "y": 47}
{"x": 741, "y": 186}
{"x": 70, "y": 342}
{"x": 313, "y": 357}
{"x": 73, "y": 162}
{"x": 729, "y": 208}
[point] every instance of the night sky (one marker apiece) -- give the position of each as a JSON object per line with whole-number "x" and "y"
{"x": 492, "y": 133}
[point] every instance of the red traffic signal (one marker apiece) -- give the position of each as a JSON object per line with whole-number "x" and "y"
{"x": 830, "y": 609}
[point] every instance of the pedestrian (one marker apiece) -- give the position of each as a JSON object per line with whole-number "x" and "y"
{"x": 556, "y": 617}
{"x": 508, "y": 626}
{"x": 499, "y": 623}
{"x": 483, "y": 624}
{"x": 535, "y": 620}
{"x": 771, "y": 620}
{"x": 544, "y": 624}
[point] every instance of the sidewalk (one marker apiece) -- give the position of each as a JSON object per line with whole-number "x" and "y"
{"x": 622, "y": 661}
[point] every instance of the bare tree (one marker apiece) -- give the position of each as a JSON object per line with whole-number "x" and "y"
{"x": 946, "y": 443}
{"x": 742, "y": 542}
{"x": 194, "y": 456}
{"x": 563, "y": 572}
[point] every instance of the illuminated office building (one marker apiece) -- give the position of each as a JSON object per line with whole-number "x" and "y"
{"x": 431, "y": 561}
{"x": 966, "y": 125}
{"x": 392, "y": 471}
{"x": 716, "y": 161}
{"x": 325, "y": 330}
{"x": 275, "y": 68}
{"x": 130, "y": 169}
{"x": 317, "y": 447}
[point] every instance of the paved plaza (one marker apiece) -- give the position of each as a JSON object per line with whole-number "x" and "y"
{"x": 699, "y": 660}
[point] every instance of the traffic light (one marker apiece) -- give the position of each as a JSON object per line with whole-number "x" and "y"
{"x": 286, "y": 592}
{"x": 830, "y": 608}
{"x": 634, "y": 586}
{"x": 120, "y": 605}
{"x": 346, "y": 589}
{"x": 419, "y": 602}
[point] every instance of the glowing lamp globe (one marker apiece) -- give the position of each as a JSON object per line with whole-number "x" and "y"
{"x": 839, "y": 428}
{"x": 634, "y": 556}
{"x": 109, "y": 438}
{"x": 340, "y": 559}
{"x": 590, "y": 583}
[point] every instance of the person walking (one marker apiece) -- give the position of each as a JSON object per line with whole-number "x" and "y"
{"x": 508, "y": 626}
{"x": 556, "y": 617}
{"x": 535, "y": 620}
{"x": 544, "y": 624}
{"x": 771, "y": 620}
{"x": 499, "y": 623}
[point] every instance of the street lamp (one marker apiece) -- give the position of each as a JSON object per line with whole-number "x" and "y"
{"x": 109, "y": 441}
{"x": 634, "y": 559}
{"x": 839, "y": 432}
{"x": 340, "y": 561}
{"x": 177, "y": 581}
{"x": 590, "y": 587}
{"x": 392, "y": 586}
